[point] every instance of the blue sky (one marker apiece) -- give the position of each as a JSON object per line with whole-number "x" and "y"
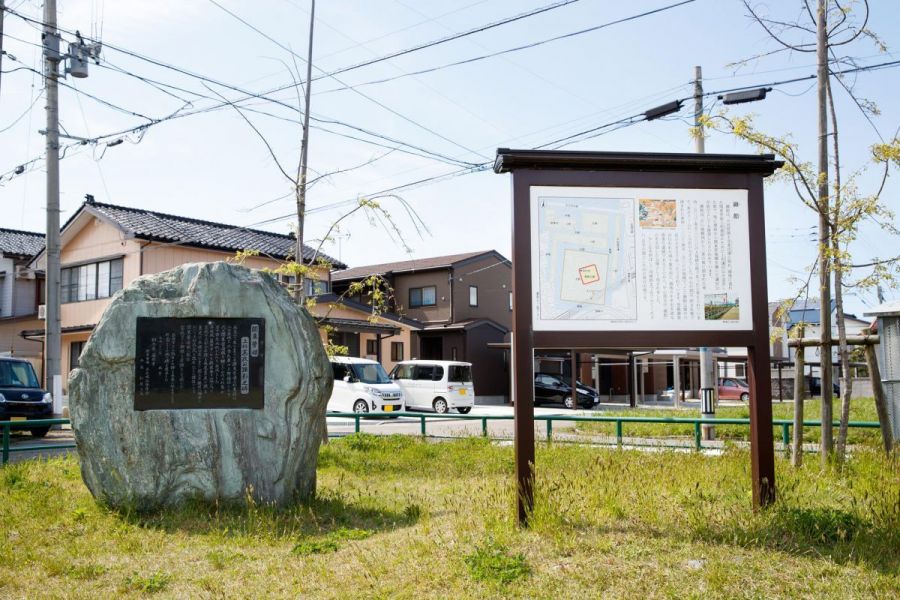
{"x": 212, "y": 166}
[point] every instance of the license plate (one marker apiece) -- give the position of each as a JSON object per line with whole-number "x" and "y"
{"x": 18, "y": 418}
{"x": 462, "y": 391}
{"x": 388, "y": 408}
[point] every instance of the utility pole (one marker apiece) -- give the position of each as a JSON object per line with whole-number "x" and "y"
{"x": 53, "y": 336}
{"x": 699, "y": 136}
{"x": 300, "y": 292}
{"x": 708, "y": 387}
{"x": 2, "y": 14}
{"x": 824, "y": 235}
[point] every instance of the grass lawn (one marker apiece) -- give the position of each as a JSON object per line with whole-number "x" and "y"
{"x": 400, "y": 517}
{"x": 860, "y": 410}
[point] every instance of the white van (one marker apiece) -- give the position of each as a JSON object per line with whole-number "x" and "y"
{"x": 362, "y": 385}
{"x": 436, "y": 384}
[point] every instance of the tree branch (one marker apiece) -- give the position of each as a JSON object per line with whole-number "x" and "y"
{"x": 256, "y": 131}
{"x": 762, "y": 23}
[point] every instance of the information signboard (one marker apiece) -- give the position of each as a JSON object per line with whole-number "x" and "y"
{"x": 199, "y": 363}
{"x": 638, "y": 251}
{"x": 621, "y": 259}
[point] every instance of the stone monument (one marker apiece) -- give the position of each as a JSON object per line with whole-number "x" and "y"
{"x": 203, "y": 382}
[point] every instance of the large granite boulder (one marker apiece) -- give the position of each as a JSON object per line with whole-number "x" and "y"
{"x": 153, "y": 458}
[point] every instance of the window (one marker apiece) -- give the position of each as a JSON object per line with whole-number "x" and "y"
{"x": 423, "y": 373}
{"x": 437, "y": 374}
{"x": 91, "y": 281}
{"x": 340, "y": 371}
{"x": 75, "y": 349}
{"x": 460, "y": 373}
{"x": 403, "y": 371}
{"x": 372, "y": 347}
{"x": 396, "y": 351}
{"x": 14, "y": 373}
{"x": 740, "y": 370}
{"x": 473, "y": 295}
{"x": 424, "y": 296}
{"x": 315, "y": 287}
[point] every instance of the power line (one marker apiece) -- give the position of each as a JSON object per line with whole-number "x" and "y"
{"x": 367, "y": 97}
{"x": 501, "y": 52}
{"x": 396, "y": 31}
{"x": 418, "y": 150}
{"x": 450, "y": 38}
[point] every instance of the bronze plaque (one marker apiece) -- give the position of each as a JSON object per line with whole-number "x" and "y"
{"x": 199, "y": 362}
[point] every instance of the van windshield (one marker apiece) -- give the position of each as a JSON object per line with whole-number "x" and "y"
{"x": 17, "y": 374}
{"x": 460, "y": 374}
{"x": 370, "y": 373}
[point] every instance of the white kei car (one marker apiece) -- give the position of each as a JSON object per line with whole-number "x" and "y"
{"x": 362, "y": 385}
{"x": 439, "y": 385}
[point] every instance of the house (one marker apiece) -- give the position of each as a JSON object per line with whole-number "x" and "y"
{"x": 382, "y": 336}
{"x": 460, "y": 303}
{"x": 807, "y": 313}
{"x": 20, "y": 292}
{"x": 104, "y": 247}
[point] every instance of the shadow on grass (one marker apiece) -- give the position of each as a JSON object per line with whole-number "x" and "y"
{"x": 322, "y": 516}
{"x": 838, "y": 535}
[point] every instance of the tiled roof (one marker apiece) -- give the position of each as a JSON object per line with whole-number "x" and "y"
{"x": 161, "y": 227}
{"x": 20, "y": 243}
{"x": 418, "y": 264}
{"x": 331, "y": 298}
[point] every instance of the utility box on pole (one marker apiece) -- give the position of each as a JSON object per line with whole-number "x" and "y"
{"x": 889, "y": 359}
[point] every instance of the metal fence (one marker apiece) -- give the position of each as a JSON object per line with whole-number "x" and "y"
{"x": 6, "y": 427}
{"x": 619, "y": 421}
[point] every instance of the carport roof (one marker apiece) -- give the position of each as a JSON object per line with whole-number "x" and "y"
{"x": 360, "y": 325}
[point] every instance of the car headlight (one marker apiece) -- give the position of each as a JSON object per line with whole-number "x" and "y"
{"x": 2, "y": 398}
{"x": 48, "y": 398}
{"x": 374, "y": 391}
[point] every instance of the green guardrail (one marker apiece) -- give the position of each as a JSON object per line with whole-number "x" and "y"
{"x": 619, "y": 421}
{"x": 8, "y": 426}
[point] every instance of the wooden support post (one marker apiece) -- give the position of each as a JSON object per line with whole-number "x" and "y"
{"x": 799, "y": 393}
{"x": 880, "y": 400}
{"x": 762, "y": 451}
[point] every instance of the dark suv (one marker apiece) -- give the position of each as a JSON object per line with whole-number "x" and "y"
{"x": 21, "y": 396}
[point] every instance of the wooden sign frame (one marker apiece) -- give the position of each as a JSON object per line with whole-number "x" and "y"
{"x": 637, "y": 170}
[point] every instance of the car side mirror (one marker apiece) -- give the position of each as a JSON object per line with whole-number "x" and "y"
{"x": 348, "y": 378}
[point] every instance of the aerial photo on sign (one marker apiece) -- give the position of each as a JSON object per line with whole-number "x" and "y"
{"x": 632, "y": 258}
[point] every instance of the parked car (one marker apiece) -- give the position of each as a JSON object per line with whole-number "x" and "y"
{"x": 439, "y": 385}
{"x": 362, "y": 385}
{"x": 21, "y": 396}
{"x": 553, "y": 388}
{"x": 815, "y": 387}
{"x": 731, "y": 388}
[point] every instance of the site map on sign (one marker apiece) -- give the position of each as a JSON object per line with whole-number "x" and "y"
{"x": 587, "y": 258}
